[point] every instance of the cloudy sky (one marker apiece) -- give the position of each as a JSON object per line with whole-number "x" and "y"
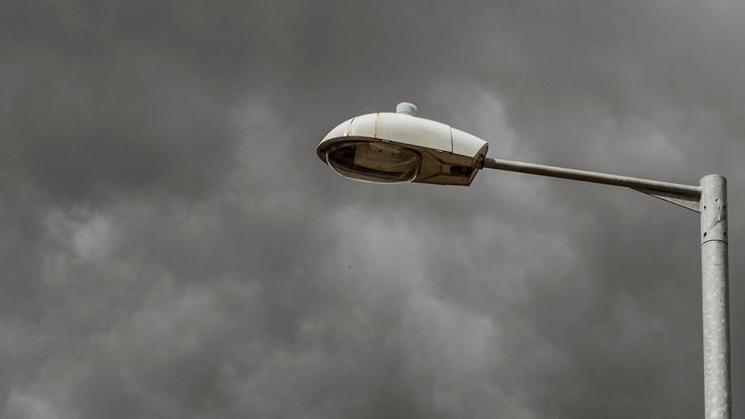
{"x": 171, "y": 246}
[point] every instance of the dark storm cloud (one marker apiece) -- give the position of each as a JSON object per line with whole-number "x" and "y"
{"x": 171, "y": 247}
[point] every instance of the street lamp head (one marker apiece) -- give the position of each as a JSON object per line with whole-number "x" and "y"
{"x": 400, "y": 147}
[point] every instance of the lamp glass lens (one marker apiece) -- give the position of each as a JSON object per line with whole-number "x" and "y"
{"x": 374, "y": 162}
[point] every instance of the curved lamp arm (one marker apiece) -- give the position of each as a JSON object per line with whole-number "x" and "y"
{"x": 687, "y": 196}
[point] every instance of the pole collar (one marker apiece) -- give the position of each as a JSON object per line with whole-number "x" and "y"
{"x": 713, "y": 208}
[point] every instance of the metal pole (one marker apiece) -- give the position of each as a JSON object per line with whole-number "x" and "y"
{"x": 710, "y": 199}
{"x": 715, "y": 297}
{"x": 675, "y": 189}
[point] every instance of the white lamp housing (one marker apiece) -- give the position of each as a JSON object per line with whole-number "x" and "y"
{"x": 399, "y": 147}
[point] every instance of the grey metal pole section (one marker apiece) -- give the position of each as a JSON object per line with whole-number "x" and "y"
{"x": 715, "y": 297}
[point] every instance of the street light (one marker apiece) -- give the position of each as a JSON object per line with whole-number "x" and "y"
{"x": 400, "y": 147}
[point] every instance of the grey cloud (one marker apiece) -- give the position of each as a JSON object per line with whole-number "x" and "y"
{"x": 171, "y": 246}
